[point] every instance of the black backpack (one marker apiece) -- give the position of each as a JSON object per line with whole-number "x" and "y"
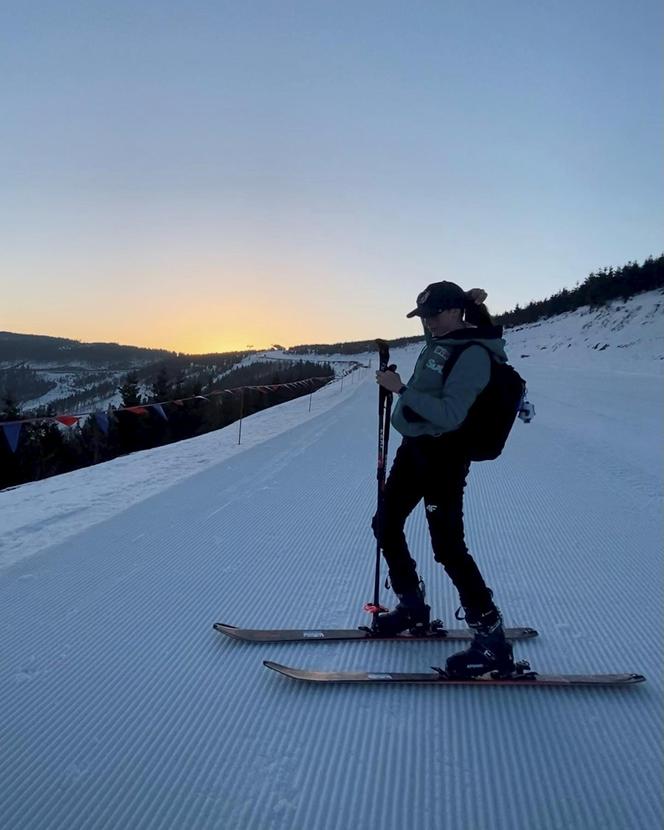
{"x": 492, "y": 415}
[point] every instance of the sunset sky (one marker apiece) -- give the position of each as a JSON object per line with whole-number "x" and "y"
{"x": 202, "y": 176}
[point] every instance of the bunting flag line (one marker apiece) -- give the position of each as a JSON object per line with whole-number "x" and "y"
{"x": 12, "y": 429}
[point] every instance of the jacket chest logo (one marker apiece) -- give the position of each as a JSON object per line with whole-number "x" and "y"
{"x": 436, "y": 366}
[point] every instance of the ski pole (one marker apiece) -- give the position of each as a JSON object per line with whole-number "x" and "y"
{"x": 384, "y": 412}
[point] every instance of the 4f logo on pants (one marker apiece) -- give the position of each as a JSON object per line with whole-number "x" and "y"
{"x": 431, "y": 508}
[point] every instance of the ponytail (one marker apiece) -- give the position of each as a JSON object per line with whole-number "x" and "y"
{"x": 476, "y": 315}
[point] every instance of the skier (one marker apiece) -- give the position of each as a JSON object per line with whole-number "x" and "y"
{"x": 432, "y": 464}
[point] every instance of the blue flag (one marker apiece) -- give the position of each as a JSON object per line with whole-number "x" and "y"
{"x": 12, "y": 433}
{"x": 102, "y": 421}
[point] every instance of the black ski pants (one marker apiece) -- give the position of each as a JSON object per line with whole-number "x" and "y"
{"x": 433, "y": 469}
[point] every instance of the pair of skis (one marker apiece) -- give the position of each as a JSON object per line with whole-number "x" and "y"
{"x": 522, "y": 675}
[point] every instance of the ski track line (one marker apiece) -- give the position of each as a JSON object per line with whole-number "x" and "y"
{"x": 122, "y": 708}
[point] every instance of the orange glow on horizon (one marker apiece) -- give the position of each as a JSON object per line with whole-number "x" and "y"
{"x": 201, "y": 338}
{"x": 212, "y": 313}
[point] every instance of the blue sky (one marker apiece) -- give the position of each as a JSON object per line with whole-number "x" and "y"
{"x": 202, "y": 176}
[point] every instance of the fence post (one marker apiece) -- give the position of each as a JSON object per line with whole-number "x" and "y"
{"x": 239, "y": 439}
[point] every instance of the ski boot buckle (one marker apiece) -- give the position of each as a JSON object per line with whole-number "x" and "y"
{"x": 522, "y": 671}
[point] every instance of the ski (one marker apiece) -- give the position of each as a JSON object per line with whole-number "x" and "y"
{"x": 437, "y": 677}
{"x": 319, "y": 635}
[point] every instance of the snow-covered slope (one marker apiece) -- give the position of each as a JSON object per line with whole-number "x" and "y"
{"x": 621, "y": 335}
{"x": 120, "y": 707}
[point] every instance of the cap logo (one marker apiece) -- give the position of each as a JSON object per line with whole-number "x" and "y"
{"x": 423, "y": 297}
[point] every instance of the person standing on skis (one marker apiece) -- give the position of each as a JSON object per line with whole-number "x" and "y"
{"x": 432, "y": 464}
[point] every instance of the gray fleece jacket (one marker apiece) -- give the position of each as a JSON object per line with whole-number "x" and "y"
{"x": 430, "y": 406}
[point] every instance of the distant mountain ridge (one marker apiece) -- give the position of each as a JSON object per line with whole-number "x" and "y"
{"x": 45, "y": 349}
{"x": 39, "y": 371}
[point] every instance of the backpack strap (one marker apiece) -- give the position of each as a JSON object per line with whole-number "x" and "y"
{"x": 456, "y": 354}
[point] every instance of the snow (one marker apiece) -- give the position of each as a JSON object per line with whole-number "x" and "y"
{"x": 121, "y": 707}
{"x": 622, "y": 336}
{"x": 50, "y": 511}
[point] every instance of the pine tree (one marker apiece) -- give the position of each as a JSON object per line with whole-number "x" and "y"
{"x": 9, "y": 410}
{"x": 179, "y": 390}
{"x": 161, "y": 388}
{"x": 130, "y": 391}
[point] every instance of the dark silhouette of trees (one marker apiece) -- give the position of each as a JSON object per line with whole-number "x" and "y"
{"x": 161, "y": 388}
{"x": 130, "y": 391}
{"x": 596, "y": 290}
{"x": 23, "y": 383}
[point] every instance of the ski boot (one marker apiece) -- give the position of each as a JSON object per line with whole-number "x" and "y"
{"x": 411, "y": 614}
{"x": 489, "y": 650}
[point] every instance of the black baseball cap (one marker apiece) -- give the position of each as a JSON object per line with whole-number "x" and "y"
{"x": 437, "y": 297}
